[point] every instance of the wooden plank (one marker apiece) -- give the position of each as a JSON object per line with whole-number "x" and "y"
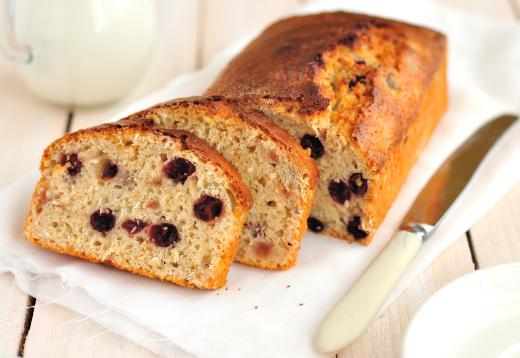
{"x": 176, "y": 52}
{"x": 515, "y": 8}
{"x": 496, "y": 237}
{"x": 59, "y": 332}
{"x": 230, "y": 20}
{"x": 384, "y": 336}
{"x": 495, "y": 9}
{"x": 12, "y": 315}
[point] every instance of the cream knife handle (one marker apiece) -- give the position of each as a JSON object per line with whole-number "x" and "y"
{"x": 354, "y": 312}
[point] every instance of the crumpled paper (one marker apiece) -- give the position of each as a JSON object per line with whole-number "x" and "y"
{"x": 275, "y": 314}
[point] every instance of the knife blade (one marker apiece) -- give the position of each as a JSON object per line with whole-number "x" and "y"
{"x": 353, "y": 313}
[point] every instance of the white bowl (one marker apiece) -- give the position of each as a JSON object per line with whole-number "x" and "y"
{"x": 477, "y": 315}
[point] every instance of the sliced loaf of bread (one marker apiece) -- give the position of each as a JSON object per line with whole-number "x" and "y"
{"x": 279, "y": 173}
{"x": 159, "y": 203}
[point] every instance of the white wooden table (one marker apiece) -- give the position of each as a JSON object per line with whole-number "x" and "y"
{"x": 195, "y": 31}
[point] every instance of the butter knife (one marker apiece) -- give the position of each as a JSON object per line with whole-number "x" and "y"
{"x": 354, "y": 312}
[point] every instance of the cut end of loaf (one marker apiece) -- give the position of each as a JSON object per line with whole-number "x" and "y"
{"x": 157, "y": 203}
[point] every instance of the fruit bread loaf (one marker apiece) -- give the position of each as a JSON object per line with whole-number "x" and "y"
{"x": 280, "y": 174}
{"x": 159, "y": 203}
{"x": 362, "y": 94}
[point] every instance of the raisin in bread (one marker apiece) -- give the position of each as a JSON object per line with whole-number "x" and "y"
{"x": 362, "y": 94}
{"x": 279, "y": 174}
{"x": 158, "y": 203}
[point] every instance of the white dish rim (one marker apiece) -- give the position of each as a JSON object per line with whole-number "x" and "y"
{"x": 406, "y": 347}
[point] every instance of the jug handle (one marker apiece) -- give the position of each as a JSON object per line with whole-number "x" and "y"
{"x": 9, "y": 44}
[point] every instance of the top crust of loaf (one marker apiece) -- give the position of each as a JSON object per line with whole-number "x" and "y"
{"x": 189, "y": 141}
{"x": 229, "y": 107}
{"x": 291, "y": 68}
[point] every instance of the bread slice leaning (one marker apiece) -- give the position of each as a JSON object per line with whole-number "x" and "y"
{"x": 158, "y": 203}
{"x": 279, "y": 173}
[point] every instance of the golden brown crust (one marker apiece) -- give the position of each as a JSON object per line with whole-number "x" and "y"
{"x": 189, "y": 142}
{"x": 395, "y": 173}
{"x": 286, "y": 66}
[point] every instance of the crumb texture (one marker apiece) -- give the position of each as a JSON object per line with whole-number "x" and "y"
{"x": 127, "y": 197}
{"x": 277, "y": 171}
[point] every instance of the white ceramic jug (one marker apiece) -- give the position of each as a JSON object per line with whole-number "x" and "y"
{"x": 79, "y": 52}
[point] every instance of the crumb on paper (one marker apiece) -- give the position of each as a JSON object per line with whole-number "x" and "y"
{"x": 288, "y": 286}
{"x": 300, "y": 304}
{"x": 239, "y": 288}
{"x": 256, "y": 307}
{"x": 226, "y": 288}
{"x": 218, "y": 294}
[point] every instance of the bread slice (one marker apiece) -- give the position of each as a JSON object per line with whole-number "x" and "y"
{"x": 361, "y": 94}
{"x": 280, "y": 174}
{"x": 158, "y": 203}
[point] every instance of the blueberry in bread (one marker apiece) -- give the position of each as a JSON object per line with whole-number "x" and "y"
{"x": 361, "y": 94}
{"x": 279, "y": 174}
{"x": 159, "y": 203}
